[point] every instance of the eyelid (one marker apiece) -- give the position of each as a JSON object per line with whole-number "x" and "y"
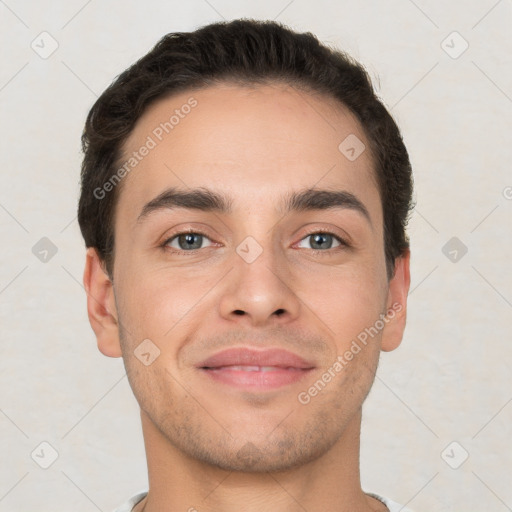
{"x": 186, "y": 231}
{"x": 185, "y": 228}
{"x": 344, "y": 240}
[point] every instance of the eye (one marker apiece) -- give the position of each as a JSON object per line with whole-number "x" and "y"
{"x": 322, "y": 241}
{"x": 186, "y": 241}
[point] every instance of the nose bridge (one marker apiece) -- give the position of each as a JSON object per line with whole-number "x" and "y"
{"x": 256, "y": 263}
{"x": 259, "y": 285}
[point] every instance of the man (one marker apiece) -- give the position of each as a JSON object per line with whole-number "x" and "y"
{"x": 244, "y": 203}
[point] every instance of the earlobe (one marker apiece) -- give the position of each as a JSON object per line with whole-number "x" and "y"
{"x": 101, "y": 306}
{"x": 397, "y": 303}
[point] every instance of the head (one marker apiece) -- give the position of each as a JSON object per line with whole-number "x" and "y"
{"x": 292, "y": 181}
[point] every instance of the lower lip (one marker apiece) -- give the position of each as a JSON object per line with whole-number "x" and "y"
{"x": 259, "y": 380}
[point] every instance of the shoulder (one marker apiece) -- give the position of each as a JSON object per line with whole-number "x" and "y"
{"x": 393, "y": 506}
{"x": 128, "y": 506}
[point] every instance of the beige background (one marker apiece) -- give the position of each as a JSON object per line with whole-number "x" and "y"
{"x": 450, "y": 381}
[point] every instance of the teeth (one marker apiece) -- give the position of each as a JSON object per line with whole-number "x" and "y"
{"x": 252, "y": 368}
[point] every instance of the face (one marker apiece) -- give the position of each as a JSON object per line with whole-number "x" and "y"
{"x": 286, "y": 287}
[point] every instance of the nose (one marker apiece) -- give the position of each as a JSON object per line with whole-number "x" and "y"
{"x": 259, "y": 293}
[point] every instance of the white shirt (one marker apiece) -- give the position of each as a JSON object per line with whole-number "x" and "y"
{"x": 392, "y": 505}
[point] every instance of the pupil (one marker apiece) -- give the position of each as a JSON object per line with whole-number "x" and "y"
{"x": 320, "y": 239}
{"x": 188, "y": 241}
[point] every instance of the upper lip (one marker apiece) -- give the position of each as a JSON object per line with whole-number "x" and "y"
{"x": 250, "y": 357}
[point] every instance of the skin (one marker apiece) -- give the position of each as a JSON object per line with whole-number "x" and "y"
{"x": 213, "y": 447}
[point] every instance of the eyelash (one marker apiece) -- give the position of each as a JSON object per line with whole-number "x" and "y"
{"x": 343, "y": 243}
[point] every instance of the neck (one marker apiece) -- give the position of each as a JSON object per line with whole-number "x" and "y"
{"x": 330, "y": 482}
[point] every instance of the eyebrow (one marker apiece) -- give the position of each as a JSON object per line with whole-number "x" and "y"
{"x": 204, "y": 199}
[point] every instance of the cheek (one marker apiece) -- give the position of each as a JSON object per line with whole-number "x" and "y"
{"x": 347, "y": 301}
{"x": 155, "y": 303}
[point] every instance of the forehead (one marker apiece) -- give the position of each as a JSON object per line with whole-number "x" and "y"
{"x": 253, "y": 143}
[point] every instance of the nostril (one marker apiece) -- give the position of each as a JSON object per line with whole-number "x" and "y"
{"x": 238, "y": 312}
{"x": 279, "y": 312}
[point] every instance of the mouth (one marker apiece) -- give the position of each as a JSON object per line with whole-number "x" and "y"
{"x": 256, "y": 370}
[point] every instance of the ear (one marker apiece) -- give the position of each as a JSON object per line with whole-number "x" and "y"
{"x": 101, "y": 306}
{"x": 397, "y": 303}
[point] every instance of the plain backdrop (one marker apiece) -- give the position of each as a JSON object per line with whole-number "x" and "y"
{"x": 436, "y": 430}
